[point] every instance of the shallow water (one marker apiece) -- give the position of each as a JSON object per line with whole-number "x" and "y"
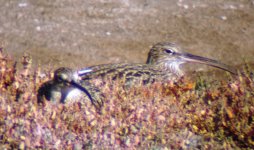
{"x": 78, "y": 33}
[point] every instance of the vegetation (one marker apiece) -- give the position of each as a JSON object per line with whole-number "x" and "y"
{"x": 205, "y": 114}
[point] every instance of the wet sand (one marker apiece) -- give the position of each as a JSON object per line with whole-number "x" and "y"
{"x": 77, "y": 33}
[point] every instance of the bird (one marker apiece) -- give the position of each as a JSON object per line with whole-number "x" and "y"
{"x": 163, "y": 63}
{"x": 64, "y": 83}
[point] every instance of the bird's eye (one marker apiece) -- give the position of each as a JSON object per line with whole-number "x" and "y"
{"x": 63, "y": 77}
{"x": 169, "y": 51}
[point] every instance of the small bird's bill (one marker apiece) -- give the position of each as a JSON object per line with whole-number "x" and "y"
{"x": 84, "y": 71}
{"x": 77, "y": 85}
{"x": 80, "y": 87}
{"x": 207, "y": 61}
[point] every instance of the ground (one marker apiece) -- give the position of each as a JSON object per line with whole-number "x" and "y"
{"x": 83, "y": 33}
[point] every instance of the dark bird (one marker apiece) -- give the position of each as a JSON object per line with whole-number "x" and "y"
{"x": 65, "y": 85}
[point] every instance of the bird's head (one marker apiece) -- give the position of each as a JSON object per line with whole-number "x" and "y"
{"x": 163, "y": 52}
{"x": 65, "y": 75}
{"x": 170, "y": 56}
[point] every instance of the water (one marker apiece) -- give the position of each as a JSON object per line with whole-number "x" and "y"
{"x": 78, "y": 33}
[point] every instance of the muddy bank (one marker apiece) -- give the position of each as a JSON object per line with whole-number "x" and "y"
{"x": 82, "y": 33}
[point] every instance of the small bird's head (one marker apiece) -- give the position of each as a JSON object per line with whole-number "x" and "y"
{"x": 65, "y": 75}
{"x": 170, "y": 57}
{"x": 70, "y": 80}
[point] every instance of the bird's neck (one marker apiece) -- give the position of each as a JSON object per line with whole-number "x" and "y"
{"x": 170, "y": 67}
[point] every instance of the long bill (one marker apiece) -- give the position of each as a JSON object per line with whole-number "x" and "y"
{"x": 207, "y": 61}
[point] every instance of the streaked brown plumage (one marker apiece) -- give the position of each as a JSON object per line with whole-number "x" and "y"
{"x": 163, "y": 63}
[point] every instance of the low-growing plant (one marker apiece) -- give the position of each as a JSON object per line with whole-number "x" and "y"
{"x": 201, "y": 114}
